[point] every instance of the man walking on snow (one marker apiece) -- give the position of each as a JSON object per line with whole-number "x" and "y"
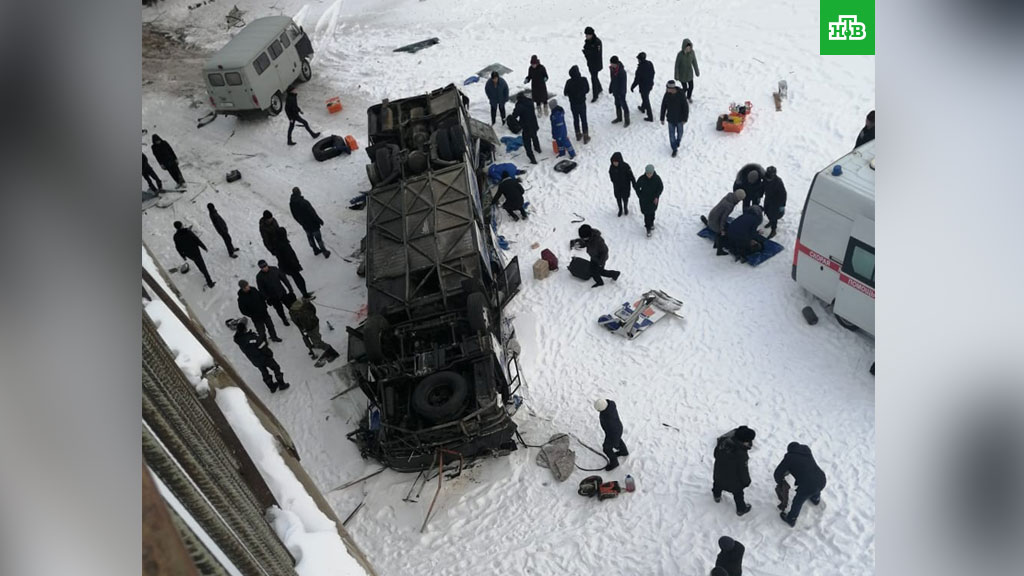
{"x": 274, "y": 286}
{"x": 259, "y": 353}
{"x": 731, "y": 473}
{"x": 294, "y": 114}
{"x": 527, "y": 117}
{"x": 150, "y": 175}
{"x": 497, "y": 94}
{"x": 576, "y": 89}
{"x": 310, "y": 221}
{"x": 613, "y": 446}
{"x": 252, "y": 304}
{"x": 593, "y": 51}
{"x": 648, "y": 190}
{"x": 686, "y": 68}
{"x": 677, "y": 111}
{"x": 167, "y": 159}
{"x": 188, "y": 245}
{"x": 617, "y": 86}
{"x": 222, "y": 228}
{"x": 644, "y": 78}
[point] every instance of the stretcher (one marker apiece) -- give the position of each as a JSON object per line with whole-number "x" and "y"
{"x": 633, "y": 318}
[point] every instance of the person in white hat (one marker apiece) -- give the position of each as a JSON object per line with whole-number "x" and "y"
{"x": 613, "y": 446}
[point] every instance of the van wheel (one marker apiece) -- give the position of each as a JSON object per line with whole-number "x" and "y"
{"x": 305, "y": 72}
{"x": 440, "y": 397}
{"x": 846, "y": 323}
{"x": 373, "y": 338}
{"x": 476, "y": 306}
{"x": 275, "y": 104}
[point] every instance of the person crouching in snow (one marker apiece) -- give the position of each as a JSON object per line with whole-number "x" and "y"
{"x": 741, "y": 234}
{"x": 513, "y": 192}
{"x": 591, "y": 239}
{"x": 648, "y": 190}
{"x": 731, "y": 473}
{"x": 613, "y": 446}
{"x": 718, "y": 219}
{"x": 559, "y": 132}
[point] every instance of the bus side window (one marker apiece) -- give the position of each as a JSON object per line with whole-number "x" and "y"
{"x": 284, "y": 39}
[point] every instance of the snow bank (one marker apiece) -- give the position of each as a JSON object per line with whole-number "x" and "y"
{"x": 310, "y": 536}
{"x": 189, "y": 354}
{"x": 151, "y": 267}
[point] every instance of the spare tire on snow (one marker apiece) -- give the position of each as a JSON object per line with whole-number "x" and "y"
{"x": 329, "y": 147}
{"x": 373, "y": 337}
{"x": 440, "y": 397}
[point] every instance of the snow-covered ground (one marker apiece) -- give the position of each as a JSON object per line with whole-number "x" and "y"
{"x": 743, "y": 354}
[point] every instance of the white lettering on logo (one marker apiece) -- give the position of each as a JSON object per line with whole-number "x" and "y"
{"x": 847, "y": 28}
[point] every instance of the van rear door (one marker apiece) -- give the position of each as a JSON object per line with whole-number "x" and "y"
{"x": 819, "y": 249}
{"x": 855, "y": 296}
{"x": 228, "y": 90}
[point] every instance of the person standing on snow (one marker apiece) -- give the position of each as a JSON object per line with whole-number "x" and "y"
{"x": 303, "y": 314}
{"x": 294, "y": 114}
{"x": 167, "y": 159}
{"x": 527, "y": 117}
{"x": 559, "y": 132}
{"x": 253, "y": 305}
{"x": 259, "y": 353}
{"x": 644, "y": 78}
{"x": 718, "y": 219}
{"x": 513, "y": 192}
{"x": 677, "y": 111}
{"x": 730, "y": 558}
{"x": 188, "y": 246}
{"x": 576, "y": 88}
{"x": 613, "y": 446}
{"x": 731, "y": 473}
{"x": 809, "y": 479}
{"x": 150, "y": 175}
{"x": 751, "y": 179}
{"x": 648, "y": 190}
{"x": 310, "y": 221}
{"x": 623, "y": 181}
{"x": 274, "y": 286}
{"x": 591, "y": 239}
{"x": 593, "y": 51}
{"x": 867, "y": 133}
{"x": 537, "y": 76}
{"x": 774, "y": 199}
{"x": 617, "y": 86}
{"x": 269, "y": 231}
{"x": 288, "y": 262}
{"x": 741, "y": 234}
{"x": 686, "y": 68}
{"x": 497, "y": 94}
{"x": 222, "y": 228}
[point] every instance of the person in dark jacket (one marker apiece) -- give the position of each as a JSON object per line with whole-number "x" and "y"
{"x": 527, "y": 117}
{"x": 188, "y": 246}
{"x": 741, "y": 235}
{"x": 274, "y": 286}
{"x": 718, "y": 219}
{"x": 303, "y": 314}
{"x": 617, "y": 86}
{"x": 644, "y": 79}
{"x": 677, "y": 111}
{"x": 593, "y": 51}
{"x": 259, "y": 353}
{"x": 253, "y": 305}
{"x": 686, "y": 68}
{"x": 730, "y": 557}
{"x": 167, "y": 159}
{"x": 751, "y": 179}
{"x": 288, "y": 262}
{"x": 294, "y": 114}
{"x": 591, "y": 239}
{"x": 222, "y": 228}
{"x": 809, "y": 479}
{"x": 613, "y": 446}
{"x": 576, "y": 88}
{"x": 623, "y": 181}
{"x": 774, "y": 199}
{"x": 867, "y": 133}
{"x": 537, "y": 76}
{"x": 731, "y": 473}
{"x": 513, "y": 192}
{"x": 497, "y": 94}
{"x": 719, "y": 571}
{"x": 150, "y": 175}
{"x": 306, "y": 216}
{"x": 648, "y": 190}
{"x": 269, "y": 231}
{"x": 559, "y": 131}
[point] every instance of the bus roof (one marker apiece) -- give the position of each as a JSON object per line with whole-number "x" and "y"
{"x": 858, "y": 175}
{"x": 247, "y": 44}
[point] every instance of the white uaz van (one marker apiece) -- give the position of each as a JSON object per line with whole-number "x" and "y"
{"x": 254, "y": 70}
{"x": 835, "y": 246}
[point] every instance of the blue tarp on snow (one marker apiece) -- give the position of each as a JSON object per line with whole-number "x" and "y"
{"x": 771, "y": 248}
{"x": 512, "y": 143}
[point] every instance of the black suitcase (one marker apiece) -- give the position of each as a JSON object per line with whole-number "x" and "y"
{"x": 580, "y": 268}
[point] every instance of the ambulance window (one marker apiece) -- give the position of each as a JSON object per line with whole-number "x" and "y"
{"x": 215, "y": 79}
{"x": 860, "y": 262}
{"x": 233, "y": 78}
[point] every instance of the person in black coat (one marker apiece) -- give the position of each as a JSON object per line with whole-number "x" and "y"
{"x": 273, "y": 284}
{"x": 593, "y": 51}
{"x": 188, "y": 246}
{"x": 623, "y": 181}
{"x": 167, "y": 159}
{"x": 617, "y": 86}
{"x": 306, "y": 216}
{"x": 270, "y": 231}
{"x": 731, "y": 473}
{"x": 537, "y": 76}
{"x": 288, "y": 262}
{"x": 222, "y": 228}
{"x": 648, "y": 190}
{"x": 613, "y": 446}
{"x": 774, "y": 199}
{"x": 512, "y": 191}
{"x": 730, "y": 557}
{"x": 597, "y": 249}
{"x": 150, "y": 175}
{"x": 675, "y": 109}
{"x": 809, "y": 479}
{"x": 527, "y": 117}
{"x": 497, "y": 94}
{"x": 741, "y": 237}
{"x": 867, "y": 133}
{"x": 252, "y": 304}
{"x": 576, "y": 89}
{"x": 294, "y": 114}
{"x": 644, "y": 79}
{"x": 750, "y": 178}
{"x": 259, "y": 353}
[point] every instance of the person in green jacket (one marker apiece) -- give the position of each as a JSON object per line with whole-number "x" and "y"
{"x": 686, "y": 68}
{"x": 648, "y": 189}
{"x": 303, "y": 314}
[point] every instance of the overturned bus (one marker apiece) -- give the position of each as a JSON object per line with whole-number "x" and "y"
{"x": 435, "y": 356}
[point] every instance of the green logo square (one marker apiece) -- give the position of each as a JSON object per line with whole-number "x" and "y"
{"x": 847, "y": 27}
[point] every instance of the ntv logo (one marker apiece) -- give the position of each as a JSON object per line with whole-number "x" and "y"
{"x": 847, "y": 28}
